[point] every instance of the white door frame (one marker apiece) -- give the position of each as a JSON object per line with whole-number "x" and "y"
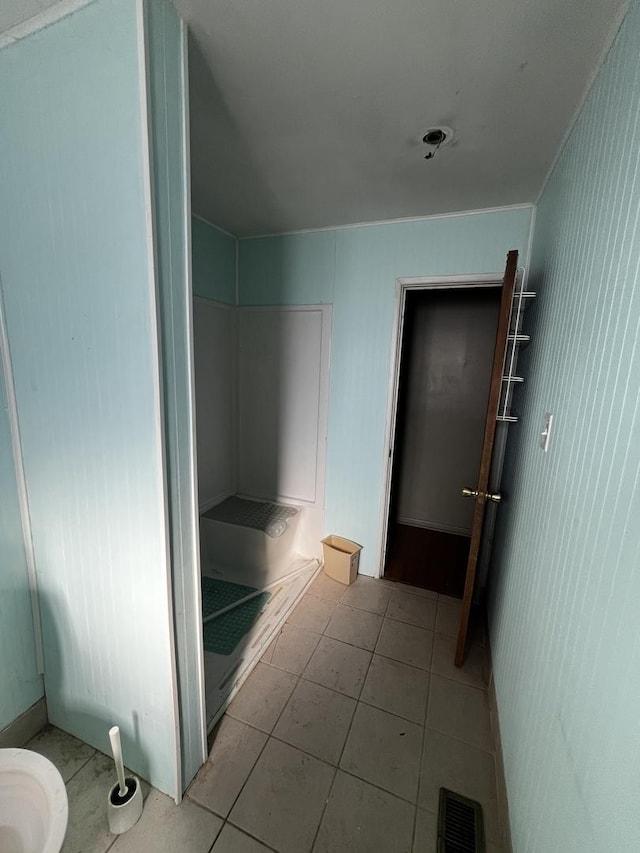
{"x": 402, "y": 286}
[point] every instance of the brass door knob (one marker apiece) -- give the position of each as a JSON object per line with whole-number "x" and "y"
{"x": 496, "y": 497}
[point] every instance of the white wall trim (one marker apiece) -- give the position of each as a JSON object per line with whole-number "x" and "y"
{"x": 195, "y": 561}
{"x": 454, "y": 214}
{"x": 439, "y": 282}
{"x": 434, "y": 525}
{"x": 591, "y": 79}
{"x": 527, "y": 260}
{"x": 213, "y": 225}
{"x": 41, "y": 20}
{"x": 401, "y": 286}
{"x": 216, "y": 302}
{"x": 21, "y": 483}
{"x": 156, "y": 360}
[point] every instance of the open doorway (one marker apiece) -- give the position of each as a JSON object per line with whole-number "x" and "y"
{"x": 445, "y": 350}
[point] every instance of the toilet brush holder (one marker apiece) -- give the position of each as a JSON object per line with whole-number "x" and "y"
{"x": 124, "y": 802}
{"x": 123, "y": 812}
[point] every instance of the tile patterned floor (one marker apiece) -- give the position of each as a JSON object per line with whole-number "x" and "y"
{"x": 339, "y": 740}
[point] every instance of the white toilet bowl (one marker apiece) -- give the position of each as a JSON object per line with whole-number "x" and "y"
{"x": 33, "y": 803}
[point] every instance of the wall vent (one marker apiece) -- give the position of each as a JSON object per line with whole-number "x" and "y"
{"x": 460, "y": 824}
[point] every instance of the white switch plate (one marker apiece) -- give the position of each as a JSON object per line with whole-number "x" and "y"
{"x": 545, "y": 435}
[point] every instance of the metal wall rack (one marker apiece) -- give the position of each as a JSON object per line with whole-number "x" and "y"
{"x": 516, "y": 339}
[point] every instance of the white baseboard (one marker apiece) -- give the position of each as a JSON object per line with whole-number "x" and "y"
{"x": 26, "y": 726}
{"x": 434, "y": 525}
{"x": 503, "y": 804}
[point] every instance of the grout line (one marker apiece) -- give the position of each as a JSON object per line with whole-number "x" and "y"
{"x": 84, "y": 764}
{"x": 116, "y": 837}
{"x": 344, "y": 746}
{"x": 490, "y": 752}
{"x": 378, "y": 787}
{"x": 424, "y": 741}
{"x": 358, "y": 699}
{"x": 254, "y": 837}
{"x": 269, "y": 736}
{"x": 388, "y": 657}
{"x": 324, "y": 807}
{"x": 391, "y": 713}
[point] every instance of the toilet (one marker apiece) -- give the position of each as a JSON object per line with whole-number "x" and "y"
{"x": 33, "y": 803}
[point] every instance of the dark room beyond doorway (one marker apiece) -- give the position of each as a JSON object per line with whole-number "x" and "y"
{"x": 448, "y": 342}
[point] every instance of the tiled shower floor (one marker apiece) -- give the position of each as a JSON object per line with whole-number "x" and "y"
{"x": 338, "y": 741}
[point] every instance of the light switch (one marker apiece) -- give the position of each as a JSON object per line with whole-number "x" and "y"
{"x": 545, "y": 435}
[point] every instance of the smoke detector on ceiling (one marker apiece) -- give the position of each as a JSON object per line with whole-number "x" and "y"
{"x": 435, "y": 138}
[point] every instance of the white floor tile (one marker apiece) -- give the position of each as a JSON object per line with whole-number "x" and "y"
{"x": 397, "y": 688}
{"x": 426, "y": 837}
{"x": 362, "y": 819}
{"x": 367, "y": 594}
{"x": 325, "y": 587}
{"x": 312, "y": 613}
{"x": 292, "y": 648}
{"x": 234, "y": 752}
{"x": 167, "y": 828}
{"x": 357, "y": 627}
{"x": 88, "y": 830}
{"x": 231, "y": 840}
{"x": 262, "y": 697}
{"x": 443, "y": 663}
{"x": 448, "y": 617}
{"x": 283, "y": 800}
{"x": 65, "y": 751}
{"x": 452, "y": 764}
{"x": 405, "y": 643}
{"x": 338, "y": 666}
{"x": 316, "y": 720}
{"x": 384, "y": 750}
{"x": 414, "y": 609}
{"x": 460, "y": 711}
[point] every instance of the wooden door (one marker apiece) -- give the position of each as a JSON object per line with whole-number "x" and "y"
{"x": 479, "y": 493}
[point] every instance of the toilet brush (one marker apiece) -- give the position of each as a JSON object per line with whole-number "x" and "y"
{"x": 124, "y": 803}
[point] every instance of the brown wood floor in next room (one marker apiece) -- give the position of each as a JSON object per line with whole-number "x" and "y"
{"x": 431, "y": 559}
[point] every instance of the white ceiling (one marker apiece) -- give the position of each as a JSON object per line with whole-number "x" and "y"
{"x": 308, "y": 113}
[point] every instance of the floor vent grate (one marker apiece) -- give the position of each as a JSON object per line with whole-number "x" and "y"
{"x": 460, "y": 824}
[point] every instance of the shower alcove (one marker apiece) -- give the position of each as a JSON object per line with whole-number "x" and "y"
{"x": 261, "y": 383}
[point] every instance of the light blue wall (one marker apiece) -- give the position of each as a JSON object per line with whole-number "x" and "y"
{"x": 20, "y": 684}
{"x": 169, "y": 118}
{"x": 76, "y": 269}
{"x": 295, "y": 269}
{"x": 564, "y": 623}
{"x": 356, "y": 269}
{"x": 214, "y": 262}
